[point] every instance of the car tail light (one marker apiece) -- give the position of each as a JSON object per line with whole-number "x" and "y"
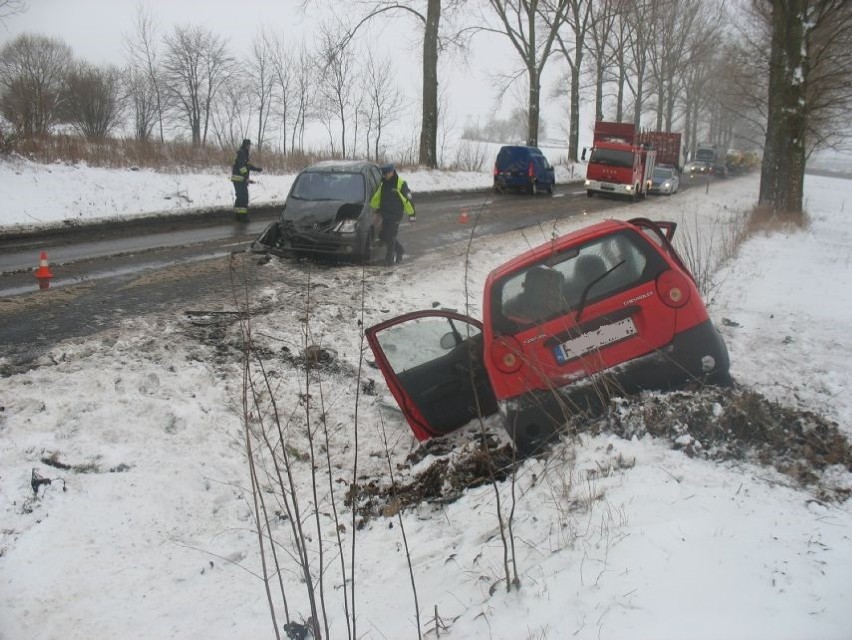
{"x": 495, "y": 169}
{"x": 531, "y": 171}
{"x": 507, "y": 354}
{"x": 673, "y": 288}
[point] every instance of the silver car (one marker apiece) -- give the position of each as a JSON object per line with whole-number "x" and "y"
{"x": 665, "y": 179}
{"x": 327, "y": 213}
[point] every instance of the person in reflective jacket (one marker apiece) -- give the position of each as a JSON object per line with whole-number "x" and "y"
{"x": 392, "y": 199}
{"x": 240, "y": 176}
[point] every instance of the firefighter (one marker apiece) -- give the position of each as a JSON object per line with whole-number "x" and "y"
{"x": 392, "y": 199}
{"x": 240, "y": 174}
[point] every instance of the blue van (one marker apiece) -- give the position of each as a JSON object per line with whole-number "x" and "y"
{"x": 523, "y": 168}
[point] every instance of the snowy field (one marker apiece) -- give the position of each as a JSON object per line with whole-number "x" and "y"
{"x": 149, "y": 532}
{"x": 38, "y": 195}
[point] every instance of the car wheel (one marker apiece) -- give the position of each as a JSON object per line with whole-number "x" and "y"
{"x": 533, "y": 188}
{"x": 590, "y": 193}
{"x": 636, "y": 193}
{"x": 551, "y": 188}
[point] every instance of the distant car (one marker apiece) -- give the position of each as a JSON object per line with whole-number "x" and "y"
{"x": 523, "y": 169}
{"x": 665, "y": 179}
{"x": 327, "y": 213}
{"x": 605, "y": 310}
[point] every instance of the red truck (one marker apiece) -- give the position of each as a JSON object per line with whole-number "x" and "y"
{"x": 666, "y": 144}
{"x": 619, "y": 163}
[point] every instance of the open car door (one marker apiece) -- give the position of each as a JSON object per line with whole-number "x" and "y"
{"x": 433, "y": 364}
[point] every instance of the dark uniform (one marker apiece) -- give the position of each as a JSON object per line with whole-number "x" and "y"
{"x": 392, "y": 199}
{"x": 240, "y": 174}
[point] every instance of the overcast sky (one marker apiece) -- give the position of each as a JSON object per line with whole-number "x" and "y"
{"x": 95, "y": 30}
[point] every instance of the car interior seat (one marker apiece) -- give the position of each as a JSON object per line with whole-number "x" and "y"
{"x": 587, "y": 268}
{"x": 543, "y": 291}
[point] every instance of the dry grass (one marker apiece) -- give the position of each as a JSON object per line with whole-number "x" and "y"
{"x": 764, "y": 219}
{"x": 167, "y": 157}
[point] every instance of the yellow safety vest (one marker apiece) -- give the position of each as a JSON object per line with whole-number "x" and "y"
{"x": 376, "y": 200}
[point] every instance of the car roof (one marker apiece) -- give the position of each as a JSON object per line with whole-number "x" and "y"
{"x": 342, "y": 166}
{"x": 575, "y": 237}
{"x": 519, "y": 149}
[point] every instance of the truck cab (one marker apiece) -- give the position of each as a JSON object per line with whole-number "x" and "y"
{"x": 618, "y": 165}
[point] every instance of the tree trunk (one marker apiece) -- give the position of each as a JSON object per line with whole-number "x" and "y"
{"x": 429, "y": 124}
{"x": 782, "y": 172}
{"x": 574, "y": 116}
{"x": 533, "y": 104}
{"x": 599, "y": 92}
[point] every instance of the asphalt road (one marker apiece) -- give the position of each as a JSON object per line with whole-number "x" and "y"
{"x": 105, "y": 273}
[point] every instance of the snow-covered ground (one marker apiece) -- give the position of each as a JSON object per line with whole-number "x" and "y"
{"x": 151, "y": 532}
{"x": 38, "y": 195}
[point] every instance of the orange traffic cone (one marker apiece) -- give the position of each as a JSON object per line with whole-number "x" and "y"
{"x": 43, "y": 273}
{"x": 463, "y": 217}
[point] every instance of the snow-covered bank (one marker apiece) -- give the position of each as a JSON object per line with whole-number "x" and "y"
{"x": 614, "y": 539}
{"x": 37, "y": 195}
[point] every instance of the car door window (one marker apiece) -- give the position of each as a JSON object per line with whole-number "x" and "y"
{"x": 434, "y": 367}
{"x": 416, "y": 342}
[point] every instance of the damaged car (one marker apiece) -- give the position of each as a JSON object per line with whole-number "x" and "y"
{"x": 607, "y": 310}
{"x": 327, "y": 213}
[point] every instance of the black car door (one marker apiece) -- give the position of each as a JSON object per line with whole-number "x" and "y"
{"x": 432, "y": 362}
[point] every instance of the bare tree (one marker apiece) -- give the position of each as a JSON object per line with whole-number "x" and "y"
{"x": 643, "y": 15}
{"x": 145, "y": 72}
{"x": 382, "y": 106}
{"x": 809, "y": 88}
{"x": 283, "y": 76}
{"x": 521, "y": 21}
{"x": 305, "y": 97}
{"x": 196, "y": 65}
{"x": 622, "y": 35}
{"x": 336, "y": 88}
{"x": 140, "y": 97}
{"x": 262, "y": 80}
{"x": 430, "y": 19}
{"x": 93, "y": 100}
{"x": 232, "y": 112}
{"x": 578, "y": 20}
{"x": 604, "y": 14}
{"x": 10, "y": 8}
{"x": 33, "y": 70}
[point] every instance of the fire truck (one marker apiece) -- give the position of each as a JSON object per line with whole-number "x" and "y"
{"x": 620, "y": 163}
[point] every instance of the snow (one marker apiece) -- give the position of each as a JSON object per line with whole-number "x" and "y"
{"x": 38, "y": 195}
{"x": 614, "y": 538}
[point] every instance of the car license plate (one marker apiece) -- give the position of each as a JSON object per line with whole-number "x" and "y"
{"x": 600, "y": 337}
{"x": 607, "y": 187}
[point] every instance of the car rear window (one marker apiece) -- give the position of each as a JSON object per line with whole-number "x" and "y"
{"x": 323, "y": 185}
{"x": 557, "y": 285}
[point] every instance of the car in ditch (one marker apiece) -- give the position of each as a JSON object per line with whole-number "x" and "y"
{"x": 327, "y": 213}
{"x": 607, "y": 310}
{"x": 664, "y": 180}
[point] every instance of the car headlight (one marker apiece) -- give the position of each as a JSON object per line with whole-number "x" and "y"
{"x": 346, "y": 226}
{"x": 628, "y": 188}
{"x": 667, "y": 185}
{"x": 588, "y": 182}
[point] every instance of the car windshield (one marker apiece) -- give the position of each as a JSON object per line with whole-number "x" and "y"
{"x": 560, "y": 284}
{"x": 705, "y": 155}
{"x": 611, "y": 157}
{"x": 662, "y": 174}
{"x": 325, "y": 185}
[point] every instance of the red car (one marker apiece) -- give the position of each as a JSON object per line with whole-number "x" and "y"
{"x": 606, "y": 310}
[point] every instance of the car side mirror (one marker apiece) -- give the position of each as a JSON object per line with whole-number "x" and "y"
{"x": 448, "y": 341}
